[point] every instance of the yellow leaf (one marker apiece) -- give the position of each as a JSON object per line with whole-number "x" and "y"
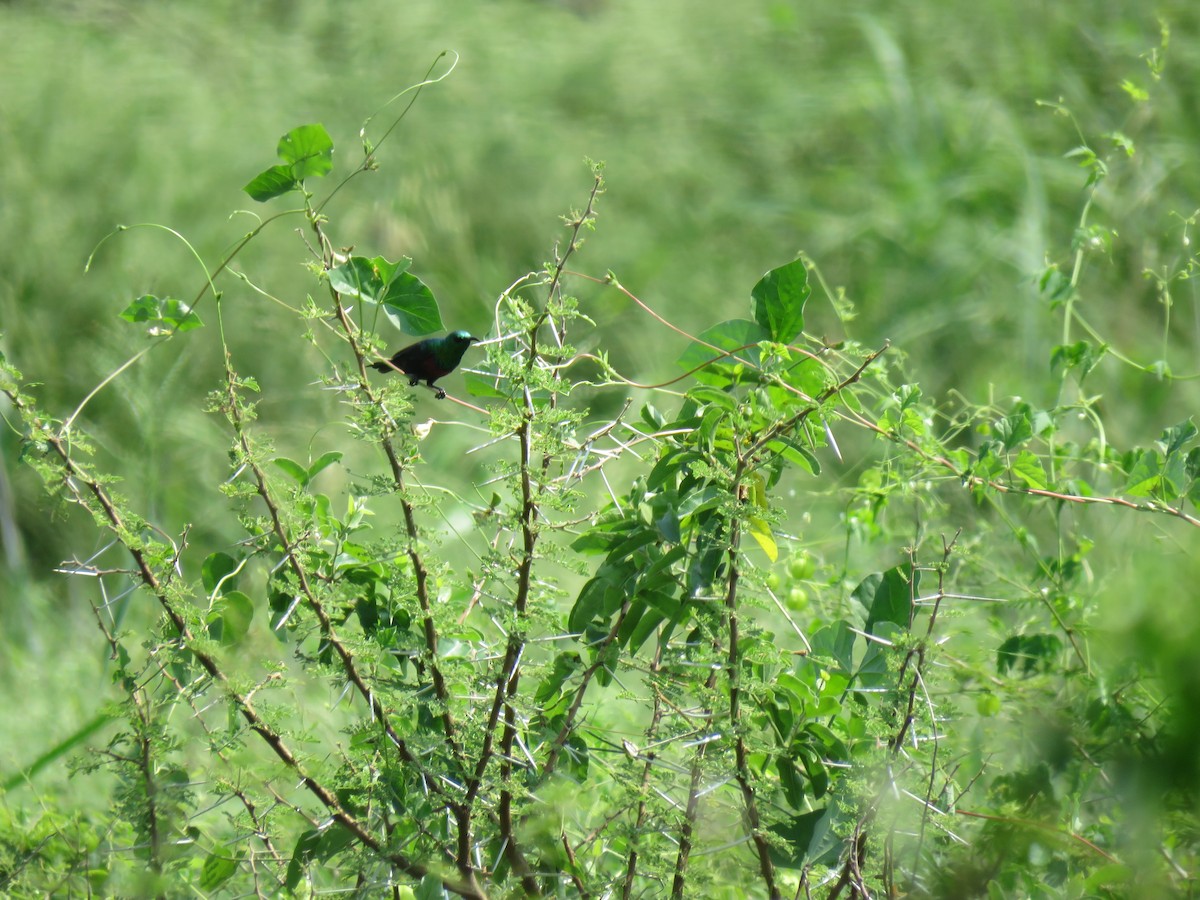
{"x": 761, "y": 532}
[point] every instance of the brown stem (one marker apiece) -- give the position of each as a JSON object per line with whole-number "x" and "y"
{"x": 687, "y": 828}
{"x": 733, "y": 672}
{"x": 647, "y": 770}
{"x": 146, "y": 766}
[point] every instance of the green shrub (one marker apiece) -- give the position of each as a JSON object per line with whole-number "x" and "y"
{"x": 781, "y": 623}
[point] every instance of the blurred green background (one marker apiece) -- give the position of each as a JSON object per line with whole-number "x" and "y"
{"x": 901, "y": 146}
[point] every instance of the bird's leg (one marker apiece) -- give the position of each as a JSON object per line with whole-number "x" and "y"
{"x": 412, "y": 381}
{"x": 438, "y": 393}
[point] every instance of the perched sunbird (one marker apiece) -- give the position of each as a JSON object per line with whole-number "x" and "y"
{"x": 430, "y": 359}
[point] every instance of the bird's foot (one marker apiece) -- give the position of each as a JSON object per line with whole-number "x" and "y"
{"x": 440, "y": 395}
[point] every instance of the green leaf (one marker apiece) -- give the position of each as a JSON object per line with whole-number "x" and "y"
{"x": 298, "y": 473}
{"x": 230, "y": 617}
{"x": 660, "y": 608}
{"x": 1145, "y": 475}
{"x": 411, "y": 306}
{"x": 306, "y": 847}
{"x": 671, "y": 463}
{"x": 874, "y": 669}
{"x": 1174, "y": 477}
{"x": 1106, "y": 880}
{"x": 1028, "y": 652}
{"x": 271, "y": 183}
{"x": 1014, "y": 430}
{"x": 215, "y": 567}
{"x": 888, "y": 597}
{"x": 406, "y": 300}
{"x": 1080, "y": 356}
{"x": 589, "y": 602}
{"x": 1140, "y": 94}
{"x": 818, "y": 774}
{"x": 324, "y": 461}
{"x": 778, "y": 301}
{"x": 1055, "y": 286}
{"x": 713, "y": 396}
{"x": 161, "y": 316}
{"x": 219, "y": 866}
{"x": 431, "y": 888}
{"x": 565, "y": 665}
{"x": 810, "y": 376}
{"x": 794, "y": 453}
{"x": 1029, "y": 469}
{"x": 1192, "y": 463}
{"x": 668, "y": 559}
{"x": 698, "y": 501}
{"x": 837, "y": 641}
{"x": 306, "y": 152}
{"x": 727, "y": 336}
{"x": 636, "y": 541}
{"x": 1173, "y": 438}
{"x": 598, "y": 540}
{"x": 668, "y": 526}
{"x": 1121, "y": 141}
{"x": 309, "y": 151}
{"x": 481, "y": 385}
{"x": 806, "y": 839}
{"x": 364, "y": 277}
{"x": 791, "y": 781}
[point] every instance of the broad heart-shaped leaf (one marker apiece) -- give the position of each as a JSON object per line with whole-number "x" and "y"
{"x": 779, "y": 299}
{"x": 405, "y": 299}
{"x": 1145, "y": 475}
{"x": 1027, "y": 652}
{"x": 161, "y": 316}
{"x": 219, "y": 866}
{"x": 230, "y": 617}
{"x": 888, "y": 597}
{"x": 1029, "y": 469}
{"x": 308, "y": 150}
{"x": 411, "y": 306}
{"x": 314, "y": 844}
{"x": 805, "y": 839}
{"x": 214, "y": 570}
{"x": 364, "y": 277}
{"x": 1174, "y": 438}
{"x": 271, "y": 183}
{"x": 836, "y": 641}
{"x": 727, "y": 336}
